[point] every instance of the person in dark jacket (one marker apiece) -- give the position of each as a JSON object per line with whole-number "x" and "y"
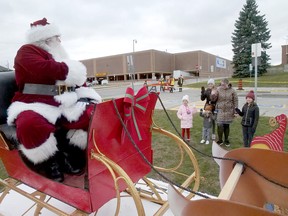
{"x": 180, "y": 82}
{"x": 250, "y": 117}
{"x": 206, "y": 95}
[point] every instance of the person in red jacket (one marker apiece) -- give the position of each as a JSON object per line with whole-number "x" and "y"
{"x": 52, "y": 107}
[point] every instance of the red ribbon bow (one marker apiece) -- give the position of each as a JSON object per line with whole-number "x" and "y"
{"x": 133, "y": 106}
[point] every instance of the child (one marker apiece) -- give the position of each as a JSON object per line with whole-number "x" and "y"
{"x": 185, "y": 114}
{"x": 250, "y": 114}
{"x": 208, "y": 119}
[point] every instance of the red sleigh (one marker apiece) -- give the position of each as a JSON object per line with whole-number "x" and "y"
{"x": 115, "y": 161}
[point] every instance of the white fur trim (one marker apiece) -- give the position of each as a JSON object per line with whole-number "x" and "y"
{"x": 85, "y": 92}
{"x": 49, "y": 112}
{"x": 39, "y": 33}
{"x": 74, "y": 112}
{"x": 43, "y": 152}
{"x": 78, "y": 138}
{"x": 66, "y": 99}
{"x": 76, "y": 74}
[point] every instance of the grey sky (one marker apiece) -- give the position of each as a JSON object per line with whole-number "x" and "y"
{"x": 95, "y": 28}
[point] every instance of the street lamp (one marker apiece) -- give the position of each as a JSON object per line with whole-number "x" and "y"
{"x": 134, "y": 41}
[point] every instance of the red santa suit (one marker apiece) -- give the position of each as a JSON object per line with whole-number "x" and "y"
{"x": 38, "y": 115}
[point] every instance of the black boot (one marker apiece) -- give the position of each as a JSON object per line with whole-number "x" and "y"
{"x": 52, "y": 170}
{"x": 71, "y": 166}
{"x": 49, "y": 168}
{"x": 220, "y": 130}
{"x": 72, "y": 160}
{"x": 226, "y": 134}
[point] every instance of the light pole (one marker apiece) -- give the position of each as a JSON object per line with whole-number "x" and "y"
{"x": 134, "y": 41}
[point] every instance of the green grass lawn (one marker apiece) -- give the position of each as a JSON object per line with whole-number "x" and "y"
{"x": 165, "y": 154}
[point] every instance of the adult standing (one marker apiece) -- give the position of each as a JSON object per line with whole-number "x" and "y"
{"x": 51, "y": 109}
{"x": 226, "y": 99}
{"x": 180, "y": 82}
{"x": 206, "y": 95}
{"x": 162, "y": 84}
{"x": 171, "y": 83}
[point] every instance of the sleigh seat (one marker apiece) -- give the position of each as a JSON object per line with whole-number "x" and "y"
{"x": 7, "y": 90}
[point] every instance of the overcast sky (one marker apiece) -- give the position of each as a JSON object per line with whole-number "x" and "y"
{"x": 96, "y": 28}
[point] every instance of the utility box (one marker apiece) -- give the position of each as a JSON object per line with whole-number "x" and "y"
{"x": 178, "y": 73}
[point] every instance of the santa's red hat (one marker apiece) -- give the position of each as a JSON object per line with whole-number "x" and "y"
{"x": 41, "y": 30}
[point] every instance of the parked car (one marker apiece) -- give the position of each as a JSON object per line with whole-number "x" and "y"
{"x": 104, "y": 82}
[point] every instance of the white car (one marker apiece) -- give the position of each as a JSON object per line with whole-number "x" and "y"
{"x": 104, "y": 82}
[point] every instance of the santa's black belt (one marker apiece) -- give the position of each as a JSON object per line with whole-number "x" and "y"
{"x": 42, "y": 89}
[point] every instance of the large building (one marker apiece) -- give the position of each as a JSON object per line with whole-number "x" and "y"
{"x": 285, "y": 54}
{"x": 153, "y": 64}
{"x": 285, "y": 57}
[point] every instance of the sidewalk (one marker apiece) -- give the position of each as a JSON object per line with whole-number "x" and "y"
{"x": 262, "y": 91}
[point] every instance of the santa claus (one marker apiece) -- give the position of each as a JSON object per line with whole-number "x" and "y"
{"x": 52, "y": 108}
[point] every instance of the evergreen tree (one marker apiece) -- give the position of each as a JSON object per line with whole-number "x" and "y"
{"x": 250, "y": 28}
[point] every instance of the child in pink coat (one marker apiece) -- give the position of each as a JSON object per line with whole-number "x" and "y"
{"x": 185, "y": 114}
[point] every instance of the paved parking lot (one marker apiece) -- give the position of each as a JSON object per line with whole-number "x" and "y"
{"x": 271, "y": 101}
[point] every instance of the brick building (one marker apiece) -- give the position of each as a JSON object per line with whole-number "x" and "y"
{"x": 152, "y": 64}
{"x": 284, "y": 54}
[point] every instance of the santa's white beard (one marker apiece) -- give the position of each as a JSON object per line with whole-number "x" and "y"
{"x": 57, "y": 51}
{"x": 55, "y": 48}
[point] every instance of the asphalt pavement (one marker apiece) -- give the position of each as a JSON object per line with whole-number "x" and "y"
{"x": 271, "y": 101}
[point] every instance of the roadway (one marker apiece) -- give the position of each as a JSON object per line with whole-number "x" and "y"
{"x": 271, "y": 101}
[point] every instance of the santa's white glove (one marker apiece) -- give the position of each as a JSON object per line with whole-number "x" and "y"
{"x": 76, "y": 74}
